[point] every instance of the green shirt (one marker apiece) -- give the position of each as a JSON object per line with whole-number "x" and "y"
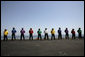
{"x": 39, "y": 32}
{"x": 79, "y": 31}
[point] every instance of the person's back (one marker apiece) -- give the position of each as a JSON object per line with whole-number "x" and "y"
{"x": 79, "y": 32}
{"x": 31, "y": 31}
{"x": 22, "y": 31}
{"x": 66, "y": 31}
{"x": 39, "y": 31}
{"x": 52, "y": 31}
{"x": 45, "y": 31}
{"x": 39, "y": 34}
{"x": 59, "y": 31}
{"x": 31, "y": 34}
{"x": 22, "y": 34}
{"x": 6, "y": 32}
{"x": 13, "y": 31}
{"x": 73, "y": 33}
{"x": 46, "y": 34}
{"x": 67, "y": 35}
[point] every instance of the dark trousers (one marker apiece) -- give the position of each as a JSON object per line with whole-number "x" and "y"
{"x": 59, "y": 36}
{"x": 22, "y": 35}
{"x": 5, "y": 37}
{"x": 67, "y": 36}
{"x": 53, "y": 36}
{"x": 46, "y": 36}
{"x": 13, "y": 36}
{"x": 73, "y": 36}
{"x": 79, "y": 35}
{"x": 31, "y": 36}
{"x": 39, "y": 36}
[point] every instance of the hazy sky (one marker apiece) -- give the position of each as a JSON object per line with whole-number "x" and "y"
{"x": 42, "y": 14}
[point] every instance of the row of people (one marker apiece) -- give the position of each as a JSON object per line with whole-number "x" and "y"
{"x": 46, "y": 34}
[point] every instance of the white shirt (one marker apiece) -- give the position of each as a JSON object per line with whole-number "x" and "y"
{"x": 45, "y": 31}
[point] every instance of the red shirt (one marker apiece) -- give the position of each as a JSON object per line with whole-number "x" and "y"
{"x": 73, "y": 32}
{"x": 30, "y": 31}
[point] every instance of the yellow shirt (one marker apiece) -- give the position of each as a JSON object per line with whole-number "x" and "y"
{"x": 53, "y": 32}
{"x": 6, "y": 33}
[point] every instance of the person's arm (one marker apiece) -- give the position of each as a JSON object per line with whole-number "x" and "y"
{"x": 24, "y": 31}
{"x": 41, "y": 31}
{"x": 7, "y": 32}
{"x": 33, "y": 32}
{"x": 71, "y": 31}
{"x": 15, "y": 31}
{"x": 54, "y": 31}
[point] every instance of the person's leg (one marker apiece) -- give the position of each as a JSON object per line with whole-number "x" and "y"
{"x": 29, "y": 37}
{"x": 21, "y": 37}
{"x": 61, "y": 36}
{"x": 54, "y": 36}
{"x": 47, "y": 37}
{"x": 65, "y": 37}
{"x": 51, "y": 36}
{"x": 4, "y": 38}
{"x": 58, "y": 36}
{"x": 14, "y": 37}
{"x": 80, "y": 35}
{"x": 40, "y": 37}
{"x": 74, "y": 36}
{"x": 32, "y": 36}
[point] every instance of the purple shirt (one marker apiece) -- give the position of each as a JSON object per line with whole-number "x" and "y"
{"x": 22, "y": 31}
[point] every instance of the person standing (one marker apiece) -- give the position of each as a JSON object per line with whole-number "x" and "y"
{"x": 73, "y": 34}
{"x": 13, "y": 33}
{"x": 46, "y": 34}
{"x": 5, "y": 35}
{"x": 79, "y": 33}
{"x": 31, "y": 34}
{"x": 22, "y": 34}
{"x": 39, "y": 34}
{"x": 67, "y": 35}
{"x": 52, "y": 33}
{"x": 59, "y": 33}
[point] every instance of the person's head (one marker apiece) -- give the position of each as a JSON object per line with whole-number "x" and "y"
{"x": 22, "y": 28}
{"x": 73, "y": 29}
{"x": 30, "y": 28}
{"x": 59, "y": 28}
{"x": 5, "y": 30}
{"x": 66, "y": 28}
{"x": 52, "y": 28}
{"x": 39, "y": 29}
{"x": 45, "y": 28}
{"x": 13, "y": 28}
{"x": 79, "y": 28}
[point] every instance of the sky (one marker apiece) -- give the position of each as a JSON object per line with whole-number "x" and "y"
{"x": 42, "y": 14}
